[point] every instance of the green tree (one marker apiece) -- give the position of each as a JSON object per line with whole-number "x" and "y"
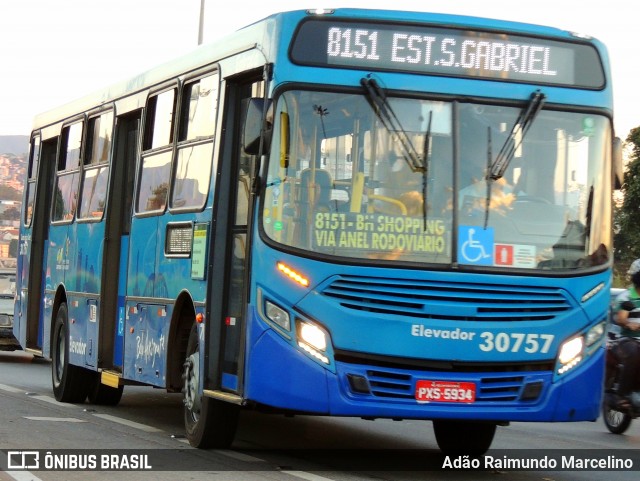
{"x": 627, "y": 215}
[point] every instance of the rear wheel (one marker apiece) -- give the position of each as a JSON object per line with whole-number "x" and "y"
{"x": 209, "y": 423}
{"x": 464, "y": 437}
{"x": 103, "y": 395}
{"x": 70, "y": 383}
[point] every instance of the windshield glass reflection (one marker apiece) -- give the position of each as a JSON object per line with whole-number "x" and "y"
{"x": 343, "y": 181}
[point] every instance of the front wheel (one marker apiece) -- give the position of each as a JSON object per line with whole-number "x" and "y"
{"x": 616, "y": 421}
{"x": 464, "y": 437}
{"x": 70, "y": 383}
{"x": 209, "y": 423}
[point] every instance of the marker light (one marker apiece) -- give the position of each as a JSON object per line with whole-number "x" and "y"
{"x": 320, "y": 357}
{"x": 286, "y": 270}
{"x": 592, "y": 292}
{"x": 581, "y": 35}
{"x": 320, "y": 11}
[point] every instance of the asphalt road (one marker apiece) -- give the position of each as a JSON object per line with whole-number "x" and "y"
{"x": 268, "y": 447}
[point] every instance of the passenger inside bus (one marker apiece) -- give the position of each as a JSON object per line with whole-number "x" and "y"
{"x": 315, "y": 191}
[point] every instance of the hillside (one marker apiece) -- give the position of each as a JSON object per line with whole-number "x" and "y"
{"x": 14, "y": 144}
{"x": 13, "y": 156}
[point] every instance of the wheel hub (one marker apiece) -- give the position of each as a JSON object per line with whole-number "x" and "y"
{"x": 191, "y": 383}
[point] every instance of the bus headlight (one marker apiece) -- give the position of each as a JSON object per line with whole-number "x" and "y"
{"x": 570, "y": 354}
{"x": 573, "y": 351}
{"x": 313, "y": 340}
{"x": 595, "y": 334}
{"x": 277, "y": 315}
{"x": 313, "y": 336}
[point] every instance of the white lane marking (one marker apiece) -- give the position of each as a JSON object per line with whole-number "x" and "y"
{"x": 51, "y": 400}
{"x": 307, "y": 476}
{"x": 22, "y": 476}
{"x": 126, "y": 422}
{"x": 47, "y": 418}
{"x": 4, "y": 387}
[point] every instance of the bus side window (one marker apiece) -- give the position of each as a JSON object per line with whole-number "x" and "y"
{"x": 96, "y": 162}
{"x": 34, "y": 159}
{"x": 197, "y": 124}
{"x": 159, "y": 121}
{"x": 65, "y": 199}
{"x": 156, "y": 157}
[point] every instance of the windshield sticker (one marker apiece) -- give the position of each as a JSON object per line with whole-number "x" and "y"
{"x": 512, "y": 255}
{"x": 379, "y": 232}
{"x": 475, "y": 245}
{"x": 199, "y": 251}
{"x": 588, "y": 126}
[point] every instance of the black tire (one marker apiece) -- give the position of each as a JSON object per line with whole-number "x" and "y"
{"x": 616, "y": 421}
{"x": 463, "y": 437}
{"x": 209, "y": 423}
{"x": 103, "y": 395}
{"x": 70, "y": 383}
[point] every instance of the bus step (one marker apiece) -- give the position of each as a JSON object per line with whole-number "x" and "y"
{"x": 224, "y": 396}
{"x": 111, "y": 379}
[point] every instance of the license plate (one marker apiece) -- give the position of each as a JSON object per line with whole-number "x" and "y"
{"x": 445, "y": 391}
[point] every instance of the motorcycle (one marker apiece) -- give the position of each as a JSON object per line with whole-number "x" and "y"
{"x": 617, "y": 412}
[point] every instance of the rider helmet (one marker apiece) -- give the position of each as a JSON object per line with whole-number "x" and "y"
{"x": 634, "y": 267}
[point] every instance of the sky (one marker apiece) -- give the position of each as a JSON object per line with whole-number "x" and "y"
{"x": 53, "y": 51}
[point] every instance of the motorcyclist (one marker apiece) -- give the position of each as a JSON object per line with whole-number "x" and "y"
{"x": 627, "y": 350}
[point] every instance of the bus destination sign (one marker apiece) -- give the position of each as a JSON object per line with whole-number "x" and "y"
{"x": 447, "y": 51}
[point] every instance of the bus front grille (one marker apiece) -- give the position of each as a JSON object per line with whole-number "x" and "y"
{"x": 448, "y": 300}
{"x": 495, "y": 388}
{"x": 400, "y": 385}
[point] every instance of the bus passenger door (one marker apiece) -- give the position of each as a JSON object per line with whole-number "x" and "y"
{"x": 34, "y": 275}
{"x": 228, "y": 285}
{"x": 116, "y": 251}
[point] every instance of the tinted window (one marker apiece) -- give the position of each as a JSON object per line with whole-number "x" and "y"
{"x": 65, "y": 201}
{"x": 159, "y": 126}
{"x": 96, "y": 173}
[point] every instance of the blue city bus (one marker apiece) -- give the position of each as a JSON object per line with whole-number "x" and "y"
{"x": 346, "y": 212}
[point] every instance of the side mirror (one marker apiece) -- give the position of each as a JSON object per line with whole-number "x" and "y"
{"x": 253, "y": 132}
{"x": 618, "y": 168}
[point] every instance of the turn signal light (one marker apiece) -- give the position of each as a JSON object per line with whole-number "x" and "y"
{"x": 286, "y": 270}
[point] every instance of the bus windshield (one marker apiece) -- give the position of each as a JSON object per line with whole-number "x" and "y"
{"x": 410, "y": 180}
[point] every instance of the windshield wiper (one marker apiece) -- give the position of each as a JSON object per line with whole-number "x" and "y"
{"x": 425, "y": 169}
{"x": 522, "y": 124}
{"x": 487, "y": 200}
{"x": 380, "y": 105}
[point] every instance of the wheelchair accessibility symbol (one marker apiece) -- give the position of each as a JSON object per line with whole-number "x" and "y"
{"x": 475, "y": 245}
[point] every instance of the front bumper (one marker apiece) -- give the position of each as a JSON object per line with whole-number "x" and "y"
{"x": 282, "y": 377}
